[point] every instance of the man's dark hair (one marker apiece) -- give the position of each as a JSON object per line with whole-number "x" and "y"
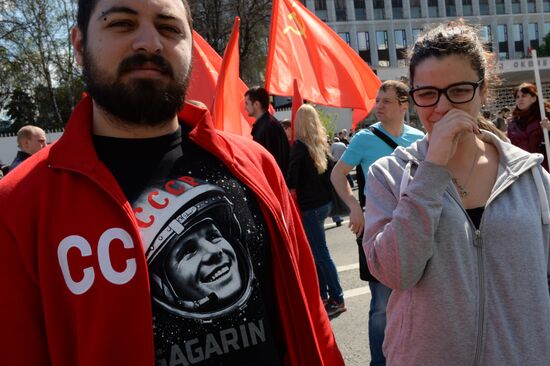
{"x": 258, "y": 94}
{"x": 401, "y": 89}
{"x": 504, "y": 110}
{"x": 87, "y": 7}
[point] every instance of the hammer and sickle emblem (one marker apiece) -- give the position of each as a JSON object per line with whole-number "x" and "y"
{"x": 289, "y": 28}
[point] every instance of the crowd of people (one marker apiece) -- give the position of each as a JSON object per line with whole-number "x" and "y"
{"x": 144, "y": 236}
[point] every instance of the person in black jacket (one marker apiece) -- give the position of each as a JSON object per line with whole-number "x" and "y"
{"x": 308, "y": 178}
{"x": 267, "y": 130}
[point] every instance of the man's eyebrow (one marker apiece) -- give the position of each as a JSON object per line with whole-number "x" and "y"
{"x": 167, "y": 17}
{"x": 117, "y": 9}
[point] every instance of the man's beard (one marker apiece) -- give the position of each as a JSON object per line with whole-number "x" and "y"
{"x": 141, "y": 101}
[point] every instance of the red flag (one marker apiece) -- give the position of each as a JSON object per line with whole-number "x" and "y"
{"x": 327, "y": 70}
{"x": 227, "y": 102}
{"x": 206, "y": 66}
{"x": 296, "y": 103}
{"x": 204, "y": 78}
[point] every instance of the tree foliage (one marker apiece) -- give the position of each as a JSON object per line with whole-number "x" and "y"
{"x": 37, "y": 60}
{"x": 213, "y": 20}
{"x": 21, "y": 109}
{"x": 544, "y": 49}
{"x": 36, "y": 55}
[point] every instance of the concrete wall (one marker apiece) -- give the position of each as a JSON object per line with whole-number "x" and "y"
{"x": 8, "y": 146}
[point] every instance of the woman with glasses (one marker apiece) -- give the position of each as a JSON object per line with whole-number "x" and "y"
{"x": 458, "y": 223}
{"x": 525, "y": 128}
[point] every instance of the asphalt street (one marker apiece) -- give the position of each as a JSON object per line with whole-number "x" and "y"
{"x": 350, "y": 327}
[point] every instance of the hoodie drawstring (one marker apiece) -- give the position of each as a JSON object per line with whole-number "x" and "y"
{"x": 405, "y": 179}
{"x": 543, "y": 197}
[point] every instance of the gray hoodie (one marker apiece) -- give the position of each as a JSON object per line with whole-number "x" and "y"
{"x": 461, "y": 296}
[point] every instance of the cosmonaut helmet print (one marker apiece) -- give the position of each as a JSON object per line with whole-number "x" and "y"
{"x": 199, "y": 267}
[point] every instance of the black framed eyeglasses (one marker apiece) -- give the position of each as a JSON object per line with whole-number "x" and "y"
{"x": 457, "y": 93}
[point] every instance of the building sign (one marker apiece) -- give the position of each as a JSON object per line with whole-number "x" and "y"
{"x": 522, "y": 65}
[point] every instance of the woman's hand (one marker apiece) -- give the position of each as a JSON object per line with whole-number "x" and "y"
{"x": 445, "y": 134}
{"x": 545, "y": 123}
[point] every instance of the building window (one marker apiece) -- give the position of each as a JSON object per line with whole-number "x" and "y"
{"x": 379, "y": 12}
{"x": 503, "y": 55}
{"x": 397, "y": 9}
{"x": 531, "y": 6}
{"x": 546, "y": 6}
{"x": 360, "y": 11}
{"x": 382, "y": 40}
{"x": 416, "y": 9}
{"x": 345, "y": 36}
{"x": 533, "y": 32}
{"x": 363, "y": 41}
{"x": 546, "y": 29}
{"x": 415, "y": 33}
{"x": 400, "y": 38}
{"x": 516, "y": 6}
{"x": 485, "y": 36}
{"x": 502, "y": 38}
{"x": 321, "y": 9}
{"x": 502, "y": 33}
{"x": 450, "y": 8}
{"x": 320, "y": 4}
{"x": 517, "y": 32}
{"x": 340, "y": 9}
{"x": 432, "y": 9}
{"x": 382, "y": 47}
{"x": 364, "y": 46}
{"x": 483, "y": 7}
{"x": 517, "y": 37}
{"x": 467, "y": 9}
{"x": 499, "y": 7}
{"x": 485, "y": 33}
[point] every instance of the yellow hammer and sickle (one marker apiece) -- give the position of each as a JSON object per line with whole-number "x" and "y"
{"x": 302, "y": 28}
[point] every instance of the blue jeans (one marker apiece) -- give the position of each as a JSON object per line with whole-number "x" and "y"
{"x": 313, "y": 221}
{"x": 377, "y": 321}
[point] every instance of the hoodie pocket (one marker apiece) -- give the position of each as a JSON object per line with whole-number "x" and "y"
{"x": 406, "y": 321}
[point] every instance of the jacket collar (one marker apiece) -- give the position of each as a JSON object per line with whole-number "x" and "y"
{"x": 75, "y": 149}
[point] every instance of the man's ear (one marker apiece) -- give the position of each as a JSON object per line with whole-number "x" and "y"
{"x": 77, "y": 41}
{"x": 257, "y": 105}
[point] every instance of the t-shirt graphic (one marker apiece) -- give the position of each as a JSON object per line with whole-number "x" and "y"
{"x": 208, "y": 253}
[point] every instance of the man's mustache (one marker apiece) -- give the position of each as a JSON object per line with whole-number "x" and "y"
{"x": 138, "y": 60}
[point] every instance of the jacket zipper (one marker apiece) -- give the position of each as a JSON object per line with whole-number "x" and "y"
{"x": 478, "y": 244}
{"x": 481, "y": 304}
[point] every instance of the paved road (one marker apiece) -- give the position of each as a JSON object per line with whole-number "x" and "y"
{"x": 350, "y": 328}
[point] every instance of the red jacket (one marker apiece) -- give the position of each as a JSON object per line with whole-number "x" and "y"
{"x": 74, "y": 285}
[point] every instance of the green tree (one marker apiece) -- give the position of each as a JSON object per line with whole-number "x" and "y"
{"x": 544, "y": 49}
{"x": 20, "y": 109}
{"x": 328, "y": 123}
{"x": 36, "y": 36}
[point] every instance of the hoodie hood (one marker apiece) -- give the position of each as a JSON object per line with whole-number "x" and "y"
{"x": 513, "y": 160}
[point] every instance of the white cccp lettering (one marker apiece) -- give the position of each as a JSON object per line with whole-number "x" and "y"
{"x": 104, "y": 259}
{"x": 118, "y": 278}
{"x": 78, "y": 242}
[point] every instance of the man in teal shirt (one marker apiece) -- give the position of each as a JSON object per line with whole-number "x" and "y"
{"x": 364, "y": 149}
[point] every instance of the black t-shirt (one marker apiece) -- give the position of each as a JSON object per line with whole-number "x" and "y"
{"x": 208, "y": 252}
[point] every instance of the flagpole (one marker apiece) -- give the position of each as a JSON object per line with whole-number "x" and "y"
{"x": 541, "y": 101}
